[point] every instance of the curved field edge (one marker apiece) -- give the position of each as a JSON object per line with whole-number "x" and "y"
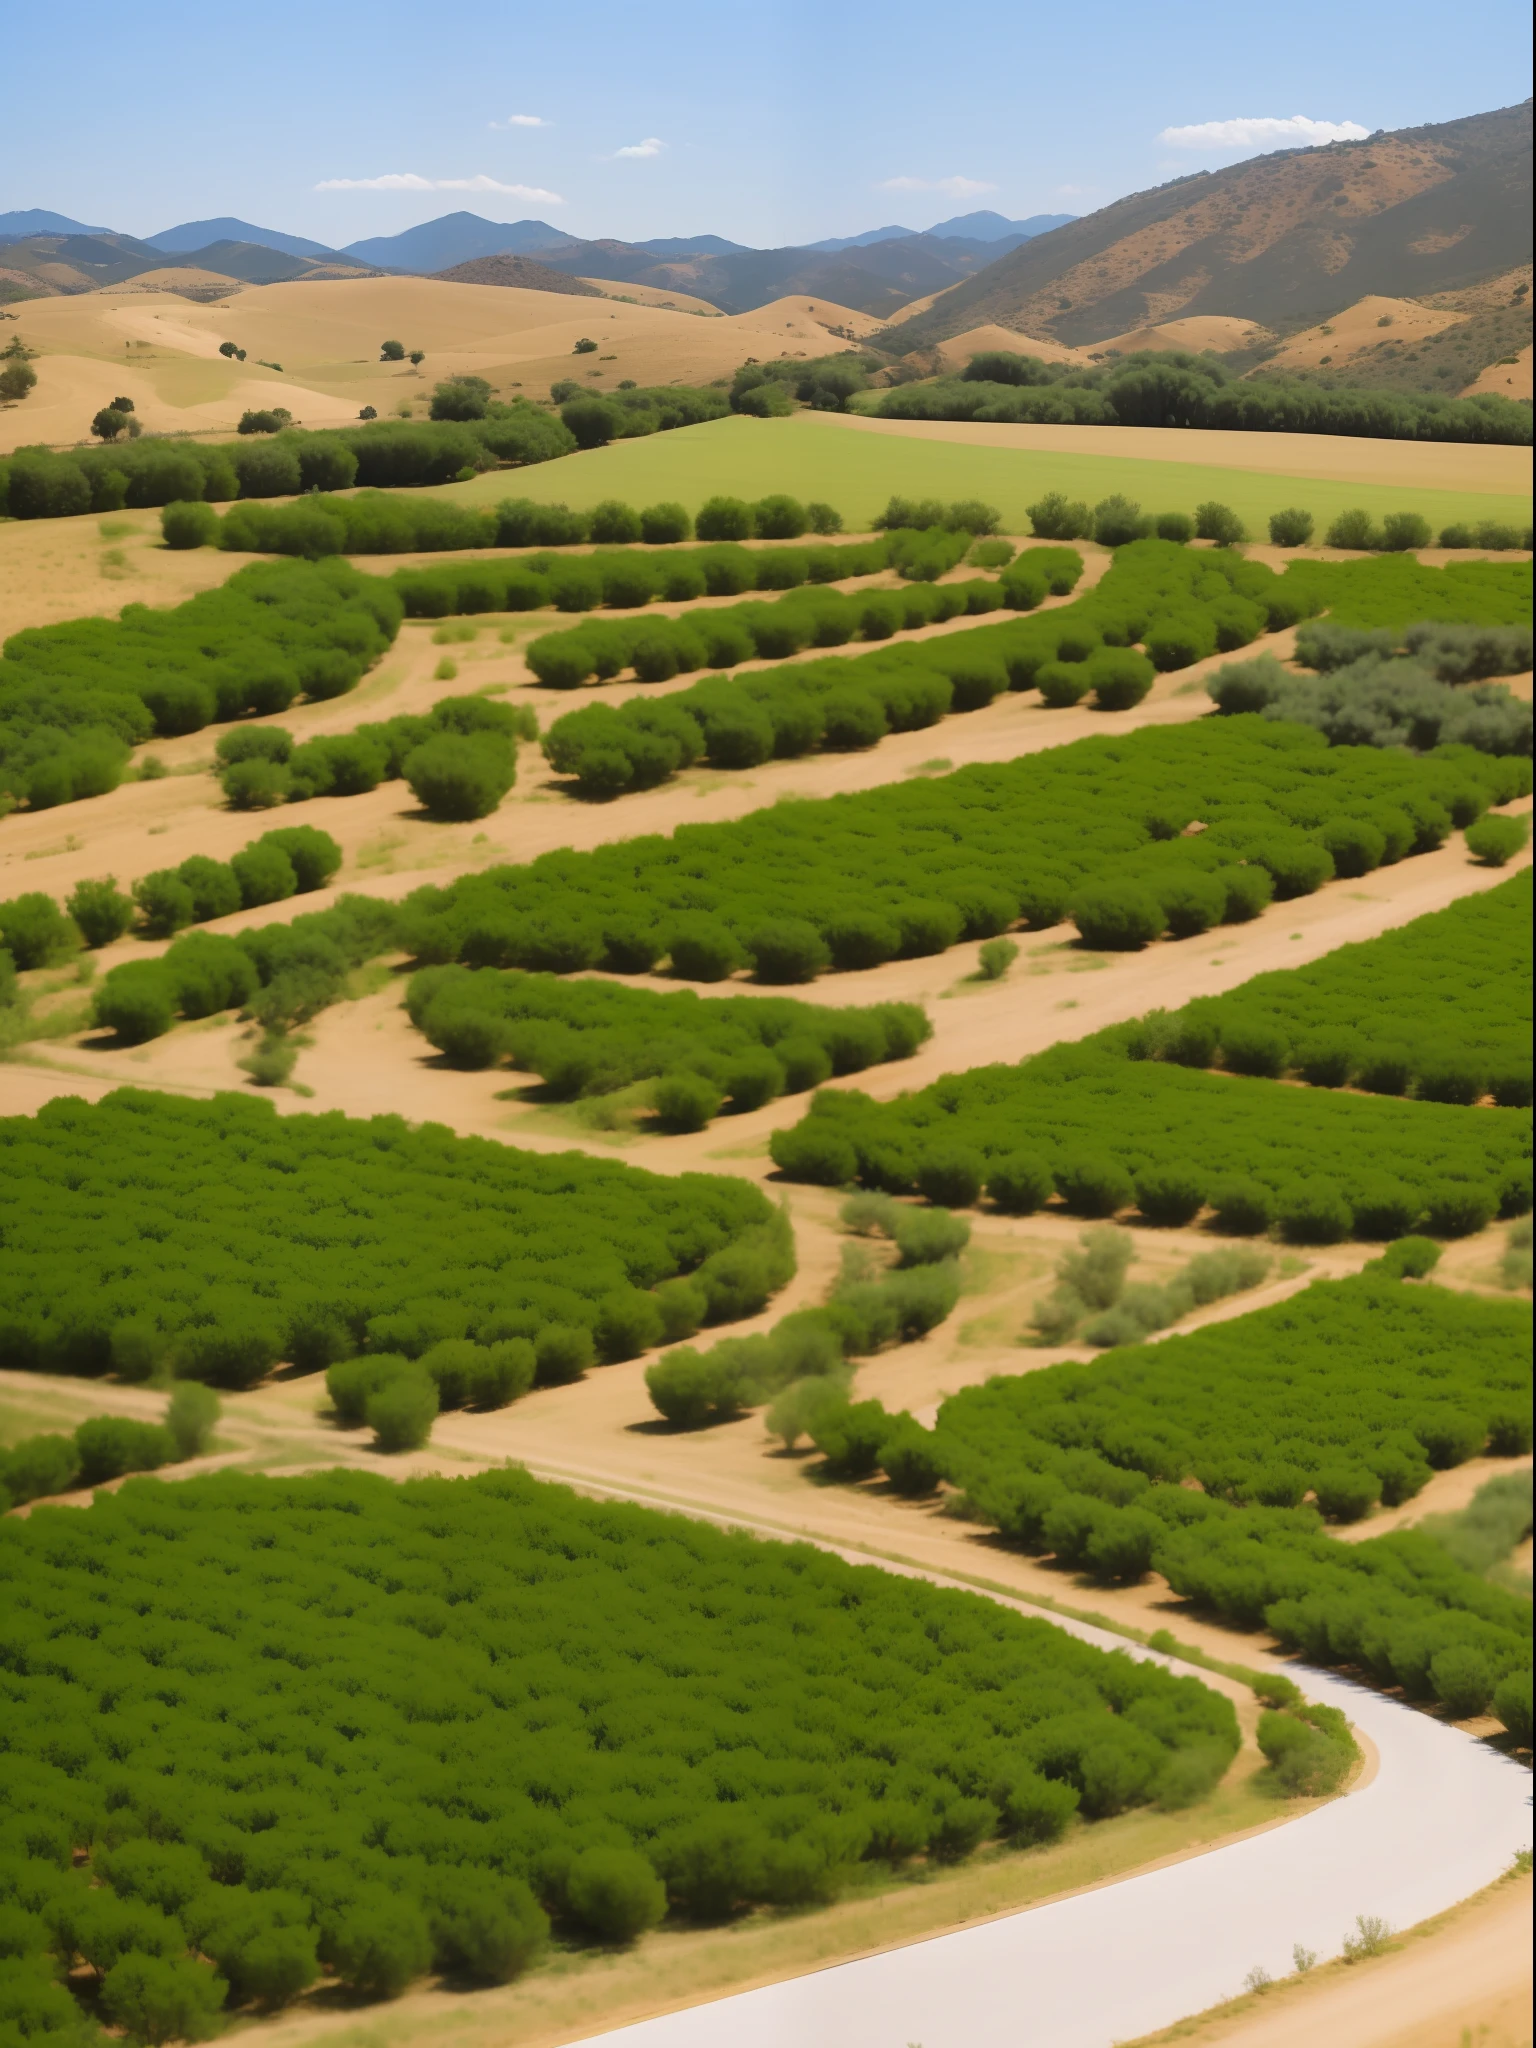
{"x": 571, "y": 1990}
{"x": 858, "y": 469}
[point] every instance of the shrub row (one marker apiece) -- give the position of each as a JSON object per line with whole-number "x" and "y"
{"x": 459, "y": 758}
{"x": 654, "y": 1714}
{"x": 911, "y": 869}
{"x": 36, "y": 933}
{"x": 1153, "y": 592}
{"x": 587, "y": 1038}
{"x": 281, "y": 974}
{"x": 1170, "y": 388}
{"x": 227, "y": 1238}
{"x": 74, "y": 698}
{"x": 1349, "y": 1393}
{"x": 628, "y": 579}
{"x": 381, "y": 523}
{"x": 658, "y": 649}
{"x": 1440, "y": 1007}
{"x": 1103, "y": 1134}
{"x": 161, "y": 470}
{"x": 107, "y": 1447}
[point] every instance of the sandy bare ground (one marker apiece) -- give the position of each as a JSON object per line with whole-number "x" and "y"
{"x": 1359, "y": 327}
{"x": 1439, "y": 465}
{"x": 1506, "y": 380}
{"x": 366, "y": 1059}
{"x": 163, "y": 351}
{"x": 1465, "y": 1979}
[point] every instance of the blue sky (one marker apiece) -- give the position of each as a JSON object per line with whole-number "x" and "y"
{"x": 768, "y": 124}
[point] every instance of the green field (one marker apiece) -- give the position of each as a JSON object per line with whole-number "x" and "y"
{"x": 858, "y": 471}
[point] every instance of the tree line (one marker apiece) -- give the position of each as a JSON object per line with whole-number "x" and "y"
{"x": 1172, "y": 388}
{"x": 36, "y": 483}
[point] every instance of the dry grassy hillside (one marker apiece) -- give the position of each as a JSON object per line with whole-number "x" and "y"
{"x": 1276, "y": 239}
{"x": 314, "y": 348}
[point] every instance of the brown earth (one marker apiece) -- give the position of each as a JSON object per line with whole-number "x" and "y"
{"x": 1463, "y": 1980}
{"x": 163, "y": 351}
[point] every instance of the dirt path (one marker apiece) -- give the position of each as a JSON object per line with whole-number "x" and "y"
{"x": 1466, "y": 1978}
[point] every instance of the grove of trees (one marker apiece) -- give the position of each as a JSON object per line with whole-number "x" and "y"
{"x": 216, "y": 1238}
{"x": 471, "y": 1708}
{"x": 1171, "y": 388}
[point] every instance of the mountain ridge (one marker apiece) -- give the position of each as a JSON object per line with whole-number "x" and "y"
{"x": 1281, "y": 239}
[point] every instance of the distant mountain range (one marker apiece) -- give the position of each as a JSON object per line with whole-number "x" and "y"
{"x": 876, "y": 272}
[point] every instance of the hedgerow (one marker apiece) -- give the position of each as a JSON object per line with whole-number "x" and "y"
{"x": 74, "y": 698}
{"x": 627, "y": 579}
{"x": 1181, "y": 607}
{"x": 659, "y": 648}
{"x": 1350, "y": 1392}
{"x": 585, "y": 1038}
{"x": 282, "y": 974}
{"x": 1104, "y": 1132}
{"x": 261, "y": 767}
{"x": 227, "y": 1238}
{"x": 105, "y": 1447}
{"x": 160, "y": 470}
{"x": 1441, "y": 1007}
{"x": 648, "y": 1711}
{"x": 911, "y": 869}
{"x": 1171, "y": 388}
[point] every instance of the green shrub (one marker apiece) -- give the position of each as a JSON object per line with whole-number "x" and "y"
{"x": 1290, "y": 529}
{"x": 1495, "y": 841}
{"x": 1117, "y": 917}
{"x": 616, "y": 1893}
{"x": 401, "y": 1412}
{"x": 100, "y": 909}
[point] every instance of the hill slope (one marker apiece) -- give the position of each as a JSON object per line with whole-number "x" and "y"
{"x": 1282, "y": 239}
{"x": 518, "y": 272}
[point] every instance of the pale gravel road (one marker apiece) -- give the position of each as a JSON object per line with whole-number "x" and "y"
{"x": 1442, "y": 1817}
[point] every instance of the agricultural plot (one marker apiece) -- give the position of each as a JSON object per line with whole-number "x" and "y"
{"x": 908, "y": 870}
{"x": 590, "y": 1038}
{"x": 649, "y": 1714}
{"x": 75, "y": 697}
{"x": 855, "y": 465}
{"x": 1129, "y": 1117}
{"x": 1441, "y": 1006}
{"x": 1159, "y": 607}
{"x": 216, "y": 1238}
{"x": 1349, "y": 1393}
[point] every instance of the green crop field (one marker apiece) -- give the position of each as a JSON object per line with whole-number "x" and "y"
{"x": 857, "y": 472}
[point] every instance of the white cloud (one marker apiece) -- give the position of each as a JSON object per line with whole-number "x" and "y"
{"x": 408, "y": 181}
{"x": 652, "y": 146}
{"x": 1261, "y": 132}
{"x": 957, "y": 188}
{"x": 523, "y": 121}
